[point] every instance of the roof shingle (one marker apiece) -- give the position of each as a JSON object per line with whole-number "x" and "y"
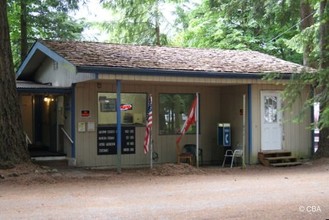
{"x": 169, "y": 58}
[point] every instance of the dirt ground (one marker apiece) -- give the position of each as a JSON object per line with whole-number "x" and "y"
{"x": 168, "y": 191}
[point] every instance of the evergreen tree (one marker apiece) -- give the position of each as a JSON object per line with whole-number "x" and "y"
{"x": 41, "y": 19}
{"x": 13, "y": 147}
{"x": 138, "y": 21}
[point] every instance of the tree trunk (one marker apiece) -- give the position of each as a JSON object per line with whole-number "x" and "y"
{"x": 157, "y": 25}
{"x": 307, "y": 21}
{"x": 24, "y": 46}
{"x": 12, "y": 142}
{"x": 324, "y": 34}
{"x": 323, "y": 150}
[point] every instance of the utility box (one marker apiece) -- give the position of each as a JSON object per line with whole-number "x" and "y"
{"x": 224, "y": 134}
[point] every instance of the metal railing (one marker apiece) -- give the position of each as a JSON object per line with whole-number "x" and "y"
{"x": 27, "y": 140}
{"x": 67, "y": 135}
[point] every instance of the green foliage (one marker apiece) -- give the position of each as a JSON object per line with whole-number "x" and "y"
{"x": 246, "y": 25}
{"x": 137, "y": 21}
{"x": 46, "y": 19}
{"x": 318, "y": 82}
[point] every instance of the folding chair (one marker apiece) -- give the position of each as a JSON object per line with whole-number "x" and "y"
{"x": 185, "y": 156}
{"x": 233, "y": 154}
{"x": 191, "y": 148}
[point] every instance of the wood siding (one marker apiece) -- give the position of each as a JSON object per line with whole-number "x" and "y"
{"x": 164, "y": 145}
{"x": 60, "y": 74}
{"x": 217, "y": 104}
{"x": 296, "y": 136}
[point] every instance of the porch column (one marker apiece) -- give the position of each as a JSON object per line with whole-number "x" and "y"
{"x": 249, "y": 122}
{"x": 73, "y": 113}
{"x": 118, "y": 109}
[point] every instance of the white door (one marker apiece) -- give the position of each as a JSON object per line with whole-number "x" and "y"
{"x": 271, "y": 119}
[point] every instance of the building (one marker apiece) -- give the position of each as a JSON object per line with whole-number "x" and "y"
{"x": 68, "y": 93}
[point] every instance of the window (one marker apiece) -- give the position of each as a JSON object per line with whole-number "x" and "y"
{"x": 133, "y": 108}
{"x": 271, "y": 109}
{"x": 173, "y": 111}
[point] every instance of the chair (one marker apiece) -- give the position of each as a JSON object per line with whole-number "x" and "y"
{"x": 233, "y": 154}
{"x": 186, "y": 156}
{"x": 191, "y": 148}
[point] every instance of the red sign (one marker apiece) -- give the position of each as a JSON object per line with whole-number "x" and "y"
{"x": 85, "y": 113}
{"x": 126, "y": 107}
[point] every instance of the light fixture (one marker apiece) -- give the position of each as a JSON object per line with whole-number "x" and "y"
{"x": 47, "y": 99}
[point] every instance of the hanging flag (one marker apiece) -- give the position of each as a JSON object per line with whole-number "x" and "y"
{"x": 191, "y": 119}
{"x": 148, "y": 129}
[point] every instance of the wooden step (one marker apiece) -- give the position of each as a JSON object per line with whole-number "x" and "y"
{"x": 275, "y": 153}
{"x": 281, "y": 158}
{"x": 286, "y": 164}
{"x": 277, "y": 158}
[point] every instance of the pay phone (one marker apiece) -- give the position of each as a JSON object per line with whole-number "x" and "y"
{"x": 224, "y": 134}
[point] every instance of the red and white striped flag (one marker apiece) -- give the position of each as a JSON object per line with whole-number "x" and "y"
{"x": 191, "y": 119}
{"x": 148, "y": 129}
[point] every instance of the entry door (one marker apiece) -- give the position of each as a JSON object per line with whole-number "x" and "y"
{"x": 271, "y": 119}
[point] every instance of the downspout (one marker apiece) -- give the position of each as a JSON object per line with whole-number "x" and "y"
{"x": 118, "y": 109}
{"x": 249, "y": 123}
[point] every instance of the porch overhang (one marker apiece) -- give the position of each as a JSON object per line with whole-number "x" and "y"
{"x": 36, "y": 88}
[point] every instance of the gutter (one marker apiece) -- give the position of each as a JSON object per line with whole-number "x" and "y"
{"x": 45, "y": 90}
{"x": 178, "y": 73}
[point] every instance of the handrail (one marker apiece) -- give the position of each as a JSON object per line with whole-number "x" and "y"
{"x": 27, "y": 141}
{"x": 67, "y": 135}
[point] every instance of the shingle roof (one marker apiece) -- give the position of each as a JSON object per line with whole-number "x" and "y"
{"x": 169, "y": 58}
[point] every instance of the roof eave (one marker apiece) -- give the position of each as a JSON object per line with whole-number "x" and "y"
{"x": 53, "y": 90}
{"x": 179, "y": 73}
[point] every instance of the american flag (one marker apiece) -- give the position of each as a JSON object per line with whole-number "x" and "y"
{"x": 147, "y": 138}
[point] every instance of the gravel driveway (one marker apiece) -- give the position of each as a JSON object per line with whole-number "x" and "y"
{"x": 167, "y": 192}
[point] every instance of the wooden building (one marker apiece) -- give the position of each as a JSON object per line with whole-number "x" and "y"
{"x": 69, "y": 97}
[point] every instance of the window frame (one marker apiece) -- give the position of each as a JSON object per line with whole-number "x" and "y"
{"x": 114, "y": 111}
{"x": 176, "y": 131}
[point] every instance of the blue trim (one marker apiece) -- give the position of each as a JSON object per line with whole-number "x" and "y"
{"x": 118, "y": 109}
{"x": 45, "y": 90}
{"x": 73, "y": 113}
{"x": 249, "y": 121}
{"x": 164, "y": 72}
{"x": 45, "y": 50}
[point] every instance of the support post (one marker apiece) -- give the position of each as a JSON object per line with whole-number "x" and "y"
{"x": 118, "y": 109}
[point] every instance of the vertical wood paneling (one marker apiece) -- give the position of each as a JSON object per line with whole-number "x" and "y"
{"x": 60, "y": 74}
{"x": 217, "y": 104}
{"x": 296, "y": 137}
